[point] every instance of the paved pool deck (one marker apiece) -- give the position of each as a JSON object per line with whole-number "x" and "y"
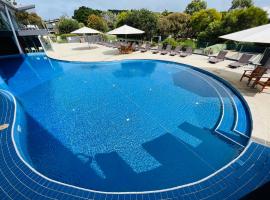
{"x": 259, "y": 103}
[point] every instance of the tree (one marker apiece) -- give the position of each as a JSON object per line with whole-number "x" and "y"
{"x": 241, "y": 4}
{"x": 195, "y": 6}
{"x": 110, "y": 19}
{"x": 82, "y": 13}
{"x": 241, "y": 19}
{"x": 97, "y": 22}
{"x": 121, "y": 18}
{"x": 67, "y": 25}
{"x": 175, "y": 24}
{"x": 200, "y": 20}
{"x": 26, "y": 18}
{"x": 142, "y": 19}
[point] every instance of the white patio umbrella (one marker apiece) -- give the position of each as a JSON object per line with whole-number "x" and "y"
{"x": 260, "y": 34}
{"x": 126, "y": 30}
{"x": 84, "y": 31}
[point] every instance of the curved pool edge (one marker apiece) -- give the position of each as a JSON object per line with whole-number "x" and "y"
{"x": 215, "y": 77}
{"x": 221, "y": 177}
{"x": 202, "y": 181}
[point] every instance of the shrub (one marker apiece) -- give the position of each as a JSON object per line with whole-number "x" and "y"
{"x": 64, "y": 36}
{"x": 170, "y": 41}
{"x": 187, "y": 43}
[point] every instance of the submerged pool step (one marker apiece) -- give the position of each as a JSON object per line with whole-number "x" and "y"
{"x": 229, "y": 119}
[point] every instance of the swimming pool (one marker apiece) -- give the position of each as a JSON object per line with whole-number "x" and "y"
{"x": 135, "y": 125}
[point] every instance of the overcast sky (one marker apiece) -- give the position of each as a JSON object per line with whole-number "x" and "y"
{"x": 50, "y": 9}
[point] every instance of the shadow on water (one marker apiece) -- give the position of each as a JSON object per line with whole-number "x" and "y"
{"x": 212, "y": 140}
{"x": 135, "y": 69}
{"x": 194, "y": 84}
{"x": 10, "y": 66}
{"x": 53, "y": 159}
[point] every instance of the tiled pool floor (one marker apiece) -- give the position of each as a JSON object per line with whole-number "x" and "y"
{"x": 17, "y": 181}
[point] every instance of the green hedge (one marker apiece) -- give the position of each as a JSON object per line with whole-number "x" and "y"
{"x": 64, "y": 36}
{"x": 184, "y": 43}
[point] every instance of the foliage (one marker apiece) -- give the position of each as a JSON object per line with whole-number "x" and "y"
{"x": 187, "y": 43}
{"x": 82, "y": 13}
{"x": 175, "y": 24}
{"x": 241, "y": 19}
{"x": 142, "y": 19}
{"x": 236, "y": 4}
{"x": 195, "y": 6}
{"x": 108, "y": 38}
{"x": 211, "y": 33}
{"x": 64, "y": 36}
{"x": 110, "y": 18}
{"x": 97, "y": 22}
{"x": 170, "y": 41}
{"x": 122, "y": 18}
{"x": 201, "y": 20}
{"x": 67, "y": 25}
{"x": 166, "y": 13}
{"x": 26, "y": 18}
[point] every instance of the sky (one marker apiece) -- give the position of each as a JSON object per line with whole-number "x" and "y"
{"x": 51, "y": 9}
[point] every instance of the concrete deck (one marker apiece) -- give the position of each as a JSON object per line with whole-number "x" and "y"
{"x": 259, "y": 103}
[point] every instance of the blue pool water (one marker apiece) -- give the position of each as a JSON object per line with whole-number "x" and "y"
{"x": 124, "y": 126}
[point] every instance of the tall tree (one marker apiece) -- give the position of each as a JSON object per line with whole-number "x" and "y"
{"x": 175, "y": 24}
{"x": 26, "y": 18}
{"x": 195, "y": 6}
{"x": 200, "y": 20}
{"x": 97, "y": 22}
{"x": 82, "y": 13}
{"x": 241, "y": 4}
{"x": 110, "y": 18}
{"x": 142, "y": 19}
{"x": 67, "y": 25}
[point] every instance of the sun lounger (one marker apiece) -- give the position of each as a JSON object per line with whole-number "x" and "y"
{"x": 146, "y": 48}
{"x": 244, "y": 60}
{"x": 176, "y": 51}
{"x": 138, "y": 47}
{"x": 159, "y": 49}
{"x": 167, "y": 50}
{"x": 187, "y": 52}
{"x": 263, "y": 84}
{"x": 220, "y": 57}
{"x": 258, "y": 72}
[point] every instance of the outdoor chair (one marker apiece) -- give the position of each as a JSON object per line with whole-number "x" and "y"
{"x": 167, "y": 50}
{"x": 263, "y": 84}
{"x": 33, "y": 49}
{"x": 159, "y": 49}
{"x": 244, "y": 60}
{"x": 146, "y": 48}
{"x": 138, "y": 47}
{"x": 257, "y": 73}
{"x": 187, "y": 52}
{"x": 176, "y": 51}
{"x": 220, "y": 57}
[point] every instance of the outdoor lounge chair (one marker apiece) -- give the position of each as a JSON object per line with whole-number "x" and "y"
{"x": 159, "y": 49}
{"x": 220, "y": 57}
{"x": 263, "y": 84}
{"x": 176, "y": 51}
{"x": 138, "y": 47}
{"x": 257, "y": 73}
{"x": 187, "y": 52}
{"x": 244, "y": 60}
{"x": 146, "y": 48}
{"x": 167, "y": 50}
